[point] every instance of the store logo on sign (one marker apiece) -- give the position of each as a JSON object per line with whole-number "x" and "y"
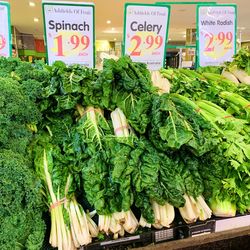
{"x": 130, "y": 12}
{"x": 204, "y": 11}
{"x": 50, "y": 9}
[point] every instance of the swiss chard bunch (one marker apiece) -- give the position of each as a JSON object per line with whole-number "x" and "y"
{"x": 107, "y": 172}
{"x": 177, "y": 123}
{"x": 157, "y": 185}
{"x": 132, "y": 92}
{"x": 71, "y": 227}
{"x": 195, "y": 206}
{"x": 64, "y": 90}
{"x": 205, "y": 137}
{"x": 169, "y": 129}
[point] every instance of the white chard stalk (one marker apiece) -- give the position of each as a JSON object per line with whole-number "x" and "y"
{"x": 168, "y": 213}
{"x": 195, "y": 209}
{"x": 164, "y": 215}
{"x": 111, "y": 224}
{"x": 104, "y": 223}
{"x": 93, "y": 228}
{"x": 189, "y": 211}
{"x": 119, "y": 216}
{"x": 144, "y": 223}
{"x": 131, "y": 224}
{"x": 156, "y": 209}
{"x": 117, "y": 124}
{"x": 161, "y": 83}
{"x": 205, "y": 211}
{"x": 124, "y": 123}
{"x": 118, "y": 223}
{"x": 115, "y": 227}
{"x": 122, "y": 231}
{"x": 195, "y": 206}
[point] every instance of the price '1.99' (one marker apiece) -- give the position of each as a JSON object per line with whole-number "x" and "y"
{"x": 141, "y": 44}
{"x": 77, "y": 42}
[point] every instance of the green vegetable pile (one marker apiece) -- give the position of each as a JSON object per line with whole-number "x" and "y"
{"x": 21, "y": 207}
{"x": 106, "y": 152}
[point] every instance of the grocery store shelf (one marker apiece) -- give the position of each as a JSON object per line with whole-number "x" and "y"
{"x": 180, "y": 235}
{"x": 201, "y": 240}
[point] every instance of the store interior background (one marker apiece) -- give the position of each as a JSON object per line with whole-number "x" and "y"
{"x": 28, "y": 35}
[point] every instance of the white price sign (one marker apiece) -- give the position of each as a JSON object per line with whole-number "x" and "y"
{"x": 69, "y": 32}
{"x": 216, "y": 37}
{"x": 5, "y": 31}
{"x": 145, "y": 33}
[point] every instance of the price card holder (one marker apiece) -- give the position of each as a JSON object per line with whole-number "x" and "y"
{"x": 69, "y": 32}
{"x": 201, "y": 228}
{"x": 145, "y": 33}
{"x": 5, "y": 30}
{"x": 216, "y": 33}
{"x": 232, "y": 223}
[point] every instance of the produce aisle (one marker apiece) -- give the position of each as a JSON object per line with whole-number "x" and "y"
{"x": 122, "y": 153}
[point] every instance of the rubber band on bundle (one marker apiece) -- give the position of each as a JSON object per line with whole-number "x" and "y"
{"x": 121, "y": 128}
{"x": 90, "y": 110}
{"x": 57, "y": 204}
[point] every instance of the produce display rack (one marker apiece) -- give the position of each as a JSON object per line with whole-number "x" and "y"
{"x": 178, "y": 231}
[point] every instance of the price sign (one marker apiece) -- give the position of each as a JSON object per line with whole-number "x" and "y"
{"x": 5, "y": 31}
{"x": 216, "y": 37}
{"x": 69, "y": 32}
{"x": 145, "y": 33}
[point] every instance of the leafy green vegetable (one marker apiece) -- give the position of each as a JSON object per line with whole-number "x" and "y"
{"x": 168, "y": 127}
{"x": 21, "y": 204}
{"x": 17, "y": 113}
{"x": 242, "y": 60}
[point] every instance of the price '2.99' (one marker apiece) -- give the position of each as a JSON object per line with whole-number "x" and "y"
{"x": 74, "y": 40}
{"x": 150, "y": 41}
{"x": 222, "y": 38}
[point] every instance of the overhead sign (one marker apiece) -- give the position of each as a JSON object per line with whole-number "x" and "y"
{"x": 145, "y": 33}
{"x": 69, "y": 32}
{"x": 216, "y": 34}
{"x": 5, "y": 30}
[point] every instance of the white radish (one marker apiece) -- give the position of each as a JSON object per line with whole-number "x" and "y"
{"x": 228, "y": 75}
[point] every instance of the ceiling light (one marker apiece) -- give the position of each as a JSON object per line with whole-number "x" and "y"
{"x": 241, "y": 28}
{"x": 184, "y": 36}
{"x": 114, "y": 39}
{"x": 36, "y": 20}
{"x": 112, "y": 28}
{"x": 32, "y": 4}
{"x": 169, "y": 39}
{"x": 108, "y": 22}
